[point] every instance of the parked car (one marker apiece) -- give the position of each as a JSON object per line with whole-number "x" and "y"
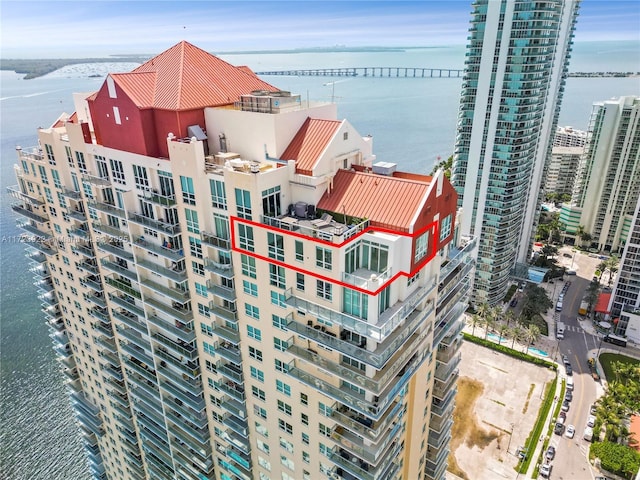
{"x": 558, "y": 429}
{"x": 513, "y": 302}
{"x": 545, "y": 470}
{"x": 568, "y": 396}
{"x": 567, "y": 255}
{"x": 571, "y": 431}
{"x": 568, "y": 369}
{"x": 570, "y": 272}
{"x": 591, "y": 421}
{"x": 565, "y": 359}
{"x": 592, "y": 409}
{"x": 551, "y": 453}
{"x": 565, "y": 406}
{"x": 562, "y": 415}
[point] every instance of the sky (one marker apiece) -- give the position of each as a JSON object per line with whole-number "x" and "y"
{"x": 71, "y": 29}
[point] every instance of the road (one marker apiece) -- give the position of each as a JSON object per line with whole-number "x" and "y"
{"x": 571, "y": 461}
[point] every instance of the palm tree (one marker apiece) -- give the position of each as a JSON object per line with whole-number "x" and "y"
{"x": 580, "y": 231}
{"x": 516, "y": 334}
{"x": 490, "y": 323}
{"x": 475, "y": 321}
{"x": 509, "y": 316}
{"x": 502, "y": 331}
{"x": 531, "y": 334}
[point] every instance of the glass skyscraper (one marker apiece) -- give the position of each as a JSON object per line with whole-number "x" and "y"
{"x": 516, "y": 62}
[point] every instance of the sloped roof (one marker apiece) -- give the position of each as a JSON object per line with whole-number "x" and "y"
{"x": 309, "y": 143}
{"x": 185, "y": 77}
{"x": 388, "y": 202}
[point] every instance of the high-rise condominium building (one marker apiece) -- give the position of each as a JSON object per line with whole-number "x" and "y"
{"x": 516, "y": 62}
{"x": 607, "y": 185}
{"x": 625, "y": 300}
{"x": 569, "y": 137}
{"x": 235, "y": 289}
{"x": 561, "y": 170}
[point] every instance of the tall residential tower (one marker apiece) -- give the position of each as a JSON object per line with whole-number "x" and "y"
{"x": 516, "y": 62}
{"x": 231, "y": 289}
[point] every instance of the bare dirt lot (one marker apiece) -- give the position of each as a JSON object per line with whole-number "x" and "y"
{"x": 497, "y": 404}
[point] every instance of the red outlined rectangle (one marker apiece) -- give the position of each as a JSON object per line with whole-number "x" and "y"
{"x": 434, "y": 248}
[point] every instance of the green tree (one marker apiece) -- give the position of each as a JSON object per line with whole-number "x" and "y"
{"x": 517, "y": 333}
{"x": 592, "y": 292}
{"x": 536, "y": 302}
{"x": 445, "y": 165}
{"x": 503, "y": 329}
{"x": 475, "y": 321}
{"x": 531, "y": 334}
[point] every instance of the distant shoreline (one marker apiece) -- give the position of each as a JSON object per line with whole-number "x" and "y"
{"x": 34, "y": 68}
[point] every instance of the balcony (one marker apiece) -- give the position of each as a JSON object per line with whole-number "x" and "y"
{"x": 197, "y": 418}
{"x": 115, "y": 232}
{"x": 236, "y": 424}
{"x": 175, "y": 294}
{"x": 174, "y": 254}
{"x": 362, "y": 470}
{"x": 120, "y": 268}
{"x": 371, "y": 453}
{"x": 364, "y": 426}
{"x": 179, "y": 347}
{"x": 141, "y": 369}
{"x": 329, "y": 230}
{"x": 233, "y": 390}
{"x": 15, "y": 192}
{"x": 443, "y": 371}
{"x": 389, "y": 320}
{"x": 95, "y": 180}
{"x": 94, "y": 285}
{"x": 39, "y": 236}
{"x": 214, "y": 241}
{"x": 129, "y": 306}
{"x": 196, "y": 402}
{"x": 178, "y": 273}
{"x": 123, "y": 287}
{"x": 188, "y": 368}
{"x": 229, "y": 334}
{"x": 95, "y": 298}
{"x": 228, "y": 294}
{"x": 230, "y": 371}
{"x": 182, "y": 331}
{"x": 137, "y": 353}
{"x": 223, "y": 269}
{"x": 29, "y": 213}
{"x": 229, "y": 352}
{"x": 83, "y": 250}
{"x": 157, "y": 225}
{"x": 107, "y": 208}
{"x": 367, "y": 279}
{"x": 462, "y": 255}
{"x": 116, "y": 249}
{"x": 176, "y": 311}
{"x": 384, "y": 351}
{"x": 228, "y": 313}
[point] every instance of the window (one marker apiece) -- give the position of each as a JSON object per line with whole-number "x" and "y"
{"x": 245, "y": 233}
{"x": 218, "y": 194}
{"x": 140, "y": 177}
{"x": 192, "y": 220}
{"x": 276, "y": 276}
{"x": 252, "y": 311}
{"x": 281, "y": 366}
{"x": 67, "y": 150}
{"x": 299, "y": 251}
{"x": 262, "y": 430}
{"x": 264, "y": 464}
{"x": 271, "y": 202}
{"x": 258, "y": 393}
{"x": 304, "y": 399}
{"x": 324, "y": 430}
{"x": 250, "y": 288}
{"x": 421, "y": 247}
{"x": 445, "y": 227}
{"x": 287, "y": 462}
{"x": 117, "y": 170}
{"x": 323, "y": 289}
{"x": 255, "y": 354}
{"x": 384, "y": 299}
{"x": 305, "y": 436}
{"x": 284, "y": 407}
{"x": 284, "y": 426}
{"x": 195, "y": 247}
{"x": 283, "y": 388}
{"x": 286, "y": 444}
{"x": 300, "y": 281}
{"x": 278, "y": 299}
{"x": 198, "y": 268}
{"x": 56, "y": 179}
{"x": 280, "y": 345}
{"x": 324, "y": 410}
{"x": 276, "y": 246}
{"x": 188, "y": 192}
{"x": 101, "y": 164}
{"x": 204, "y": 311}
{"x": 201, "y": 290}
{"x": 355, "y": 303}
{"x": 50, "y": 156}
{"x": 43, "y": 174}
{"x": 221, "y": 223}
{"x": 254, "y": 333}
{"x": 413, "y": 279}
{"x": 323, "y": 258}
{"x": 257, "y": 374}
{"x": 324, "y": 450}
{"x": 262, "y": 446}
{"x": 248, "y": 265}
{"x": 279, "y": 322}
{"x": 243, "y": 203}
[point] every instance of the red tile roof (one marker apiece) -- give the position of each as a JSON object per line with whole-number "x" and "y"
{"x": 634, "y": 432}
{"x": 602, "y": 305}
{"x": 185, "y": 77}
{"x": 309, "y": 143}
{"x": 388, "y": 202}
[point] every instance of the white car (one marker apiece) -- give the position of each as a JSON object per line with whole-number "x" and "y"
{"x": 545, "y": 470}
{"x": 571, "y": 431}
{"x": 591, "y": 421}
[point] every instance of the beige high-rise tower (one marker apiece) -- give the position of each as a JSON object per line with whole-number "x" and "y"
{"x": 236, "y": 288}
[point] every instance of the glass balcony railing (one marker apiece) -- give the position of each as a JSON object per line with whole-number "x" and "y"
{"x": 15, "y": 192}
{"x": 145, "y": 371}
{"x": 229, "y": 352}
{"x": 188, "y": 368}
{"x": 136, "y": 352}
{"x": 128, "y": 305}
{"x": 177, "y": 312}
{"x": 174, "y": 294}
{"x": 165, "y": 251}
{"x": 108, "y": 208}
{"x": 232, "y": 389}
{"x": 462, "y": 255}
{"x": 364, "y": 426}
{"x": 116, "y": 250}
{"x": 391, "y": 319}
{"x": 226, "y": 333}
{"x": 119, "y": 269}
{"x": 131, "y": 321}
{"x": 199, "y": 419}
{"x": 176, "y": 273}
{"x": 157, "y": 225}
{"x": 20, "y": 209}
{"x": 224, "y": 293}
{"x": 194, "y": 401}
{"x": 223, "y": 269}
{"x": 123, "y": 287}
{"x": 115, "y": 232}
{"x": 226, "y": 313}
{"x": 214, "y": 241}
{"x": 174, "y": 328}
{"x": 179, "y": 347}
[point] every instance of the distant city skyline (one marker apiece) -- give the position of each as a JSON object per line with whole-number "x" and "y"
{"x": 58, "y": 29}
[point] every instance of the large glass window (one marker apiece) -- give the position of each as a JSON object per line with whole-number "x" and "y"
{"x": 243, "y": 203}
{"x": 271, "y": 202}
{"x": 188, "y": 192}
{"x": 166, "y": 184}
{"x": 276, "y": 246}
{"x": 117, "y": 170}
{"x": 421, "y": 247}
{"x": 218, "y": 194}
{"x": 192, "y": 220}
{"x": 355, "y": 303}
{"x": 248, "y": 265}
{"x": 445, "y": 227}
{"x": 323, "y": 258}
{"x": 245, "y": 233}
{"x": 276, "y": 276}
{"x": 140, "y": 177}
{"x": 366, "y": 254}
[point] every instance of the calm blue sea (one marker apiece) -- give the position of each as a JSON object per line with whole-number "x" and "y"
{"x": 412, "y": 121}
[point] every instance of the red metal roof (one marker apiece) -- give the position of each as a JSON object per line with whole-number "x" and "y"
{"x": 185, "y": 77}
{"x": 602, "y": 306}
{"x": 309, "y": 143}
{"x": 388, "y": 202}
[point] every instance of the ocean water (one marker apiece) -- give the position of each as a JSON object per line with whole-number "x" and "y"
{"x": 412, "y": 121}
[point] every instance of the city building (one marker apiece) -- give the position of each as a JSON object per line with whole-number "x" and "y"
{"x": 236, "y": 288}
{"x": 624, "y": 306}
{"x": 569, "y": 137}
{"x": 606, "y": 188}
{"x": 561, "y": 171}
{"x": 516, "y": 61}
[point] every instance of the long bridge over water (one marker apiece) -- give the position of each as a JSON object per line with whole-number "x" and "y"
{"x": 417, "y": 72}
